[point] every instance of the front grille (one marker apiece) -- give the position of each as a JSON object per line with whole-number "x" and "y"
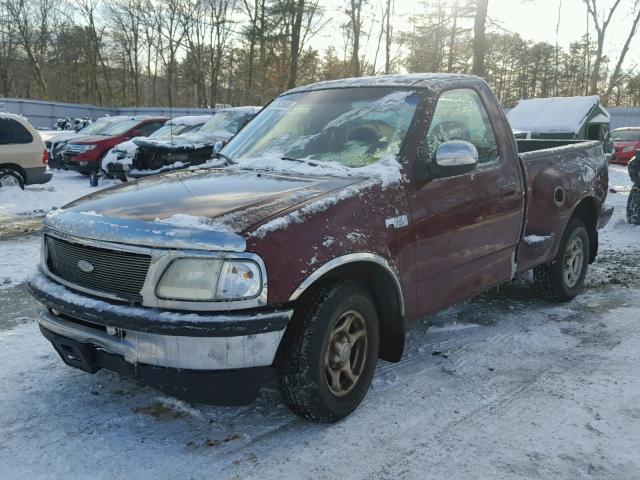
{"x": 114, "y": 272}
{"x": 73, "y": 148}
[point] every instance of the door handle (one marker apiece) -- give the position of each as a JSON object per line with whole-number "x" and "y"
{"x": 509, "y": 190}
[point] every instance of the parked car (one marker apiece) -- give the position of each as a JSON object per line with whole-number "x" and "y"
{"x": 341, "y": 213}
{"x": 117, "y": 162}
{"x": 57, "y": 143}
{"x": 85, "y": 154}
{"x": 625, "y": 143}
{"x": 23, "y": 158}
{"x": 633, "y": 202}
{"x": 158, "y": 155}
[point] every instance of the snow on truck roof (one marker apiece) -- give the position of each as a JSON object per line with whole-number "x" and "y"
{"x": 398, "y": 80}
{"x": 555, "y": 115}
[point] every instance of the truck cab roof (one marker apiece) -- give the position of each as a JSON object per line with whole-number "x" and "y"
{"x": 398, "y": 80}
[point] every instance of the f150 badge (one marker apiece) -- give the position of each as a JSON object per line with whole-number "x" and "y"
{"x": 397, "y": 222}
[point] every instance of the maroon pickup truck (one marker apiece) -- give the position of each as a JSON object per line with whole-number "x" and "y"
{"x": 341, "y": 213}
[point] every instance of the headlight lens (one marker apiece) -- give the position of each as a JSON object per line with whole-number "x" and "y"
{"x": 190, "y": 279}
{"x": 239, "y": 279}
{"x": 201, "y": 279}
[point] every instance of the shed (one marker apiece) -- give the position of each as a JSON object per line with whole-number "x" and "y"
{"x": 582, "y": 118}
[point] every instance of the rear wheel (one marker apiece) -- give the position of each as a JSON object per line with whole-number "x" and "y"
{"x": 563, "y": 278}
{"x": 11, "y": 178}
{"x": 329, "y": 353}
{"x": 633, "y": 206}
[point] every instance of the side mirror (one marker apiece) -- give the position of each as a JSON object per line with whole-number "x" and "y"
{"x": 218, "y": 146}
{"x": 456, "y": 157}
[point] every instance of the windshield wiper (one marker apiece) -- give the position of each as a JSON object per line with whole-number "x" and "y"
{"x": 300, "y": 160}
{"x": 227, "y": 159}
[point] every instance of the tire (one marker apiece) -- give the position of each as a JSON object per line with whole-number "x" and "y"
{"x": 633, "y": 206}
{"x": 563, "y": 278}
{"x": 317, "y": 348}
{"x": 11, "y": 178}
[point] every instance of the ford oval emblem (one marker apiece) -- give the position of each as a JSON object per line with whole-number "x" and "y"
{"x": 85, "y": 266}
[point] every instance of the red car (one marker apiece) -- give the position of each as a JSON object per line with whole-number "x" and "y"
{"x": 85, "y": 154}
{"x": 625, "y": 142}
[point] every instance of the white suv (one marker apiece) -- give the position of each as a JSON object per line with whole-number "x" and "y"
{"x": 23, "y": 158}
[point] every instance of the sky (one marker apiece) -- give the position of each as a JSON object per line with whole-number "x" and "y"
{"x": 532, "y": 19}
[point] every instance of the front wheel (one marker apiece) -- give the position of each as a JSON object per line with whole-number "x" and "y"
{"x": 633, "y": 206}
{"x": 329, "y": 352}
{"x": 563, "y": 278}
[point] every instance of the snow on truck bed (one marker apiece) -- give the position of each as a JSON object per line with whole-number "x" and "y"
{"x": 551, "y": 115}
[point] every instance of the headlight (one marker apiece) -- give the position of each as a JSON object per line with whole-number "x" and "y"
{"x": 200, "y": 280}
{"x": 239, "y": 279}
{"x": 630, "y": 148}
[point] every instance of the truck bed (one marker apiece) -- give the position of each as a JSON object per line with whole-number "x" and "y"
{"x": 559, "y": 175}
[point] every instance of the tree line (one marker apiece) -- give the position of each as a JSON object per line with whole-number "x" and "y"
{"x": 244, "y": 52}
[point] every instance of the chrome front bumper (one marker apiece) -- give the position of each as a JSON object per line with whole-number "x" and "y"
{"x": 171, "y": 351}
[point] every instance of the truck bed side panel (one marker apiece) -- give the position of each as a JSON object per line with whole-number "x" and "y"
{"x": 558, "y": 180}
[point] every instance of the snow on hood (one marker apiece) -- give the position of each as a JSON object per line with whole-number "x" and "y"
{"x": 552, "y": 115}
{"x": 122, "y": 153}
{"x": 190, "y": 120}
{"x": 191, "y": 141}
{"x": 212, "y": 200}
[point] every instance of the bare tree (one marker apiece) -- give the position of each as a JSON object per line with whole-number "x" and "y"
{"x": 29, "y": 17}
{"x": 355, "y": 27}
{"x": 298, "y": 13}
{"x": 479, "y": 37}
{"x": 616, "y": 76}
{"x": 601, "y": 22}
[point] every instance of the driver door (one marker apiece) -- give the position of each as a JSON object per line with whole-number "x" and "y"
{"x": 466, "y": 226}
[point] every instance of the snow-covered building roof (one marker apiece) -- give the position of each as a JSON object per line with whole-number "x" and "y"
{"x": 556, "y": 115}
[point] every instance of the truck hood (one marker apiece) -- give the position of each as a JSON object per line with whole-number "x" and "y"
{"x": 198, "y": 209}
{"x": 90, "y": 139}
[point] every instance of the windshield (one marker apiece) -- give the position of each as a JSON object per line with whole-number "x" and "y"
{"x": 118, "y": 128}
{"x": 95, "y": 128}
{"x": 168, "y": 131}
{"x": 625, "y": 135}
{"x": 352, "y": 126}
{"x": 226, "y": 121}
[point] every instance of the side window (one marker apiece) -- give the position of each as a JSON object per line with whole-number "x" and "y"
{"x": 149, "y": 128}
{"x": 12, "y": 132}
{"x": 460, "y": 115}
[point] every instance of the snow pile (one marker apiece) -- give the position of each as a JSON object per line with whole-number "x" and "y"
{"x": 552, "y": 115}
{"x": 39, "y": 199}
{"x": 122, "y": 153}
{"x": 18, "y": 259}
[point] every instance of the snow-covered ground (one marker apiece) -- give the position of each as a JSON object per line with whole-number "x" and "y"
{"x": 36, "y": 200}
{"x": 504, "y": 386}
